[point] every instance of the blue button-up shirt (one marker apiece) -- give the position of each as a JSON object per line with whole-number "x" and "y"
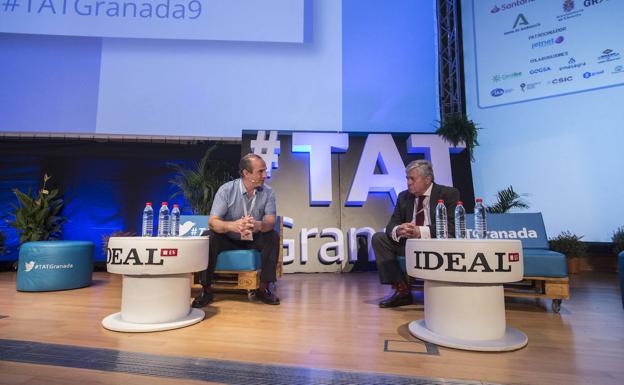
{"x": 231, "y": 199}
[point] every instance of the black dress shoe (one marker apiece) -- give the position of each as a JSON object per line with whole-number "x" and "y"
{"x": 266, "y": 296}
{"x": 397, "y": 299}
{"x": 205, "y": 298}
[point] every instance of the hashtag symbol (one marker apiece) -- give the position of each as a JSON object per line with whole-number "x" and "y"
{"x": 10, "y": 4}
{"x": 268, "y": 149}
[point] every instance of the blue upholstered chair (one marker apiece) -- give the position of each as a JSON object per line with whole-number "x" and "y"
{"x": 235, "y": 269}
{"x": 54, "y": 265}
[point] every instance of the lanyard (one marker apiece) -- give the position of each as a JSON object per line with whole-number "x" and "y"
{"x": 253, "y": 200}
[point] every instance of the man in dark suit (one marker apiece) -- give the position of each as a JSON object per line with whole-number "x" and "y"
{"x": 413, "y": 217}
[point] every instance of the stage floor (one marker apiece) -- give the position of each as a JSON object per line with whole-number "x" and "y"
{"x": 328, "y": 329}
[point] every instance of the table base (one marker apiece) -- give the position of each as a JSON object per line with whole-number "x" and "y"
{"x": 513, "y": 339}
{"x": 115, "y": 323}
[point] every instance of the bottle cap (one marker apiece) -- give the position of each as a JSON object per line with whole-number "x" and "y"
{"x": 164, "y": 203}
{"x": 479, "y": 200}
{"x": 440, "y": 200}
{"x": 175, "y": 205}
{"x": 148, "y": 203}
{"x": 460, "y": 203}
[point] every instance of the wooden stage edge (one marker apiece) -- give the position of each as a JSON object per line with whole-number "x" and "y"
{"x": 329, "y": 321}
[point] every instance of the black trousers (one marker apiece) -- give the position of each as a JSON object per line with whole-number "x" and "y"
{"x": 267, "y": 243}
{"x": 386, "y": 253}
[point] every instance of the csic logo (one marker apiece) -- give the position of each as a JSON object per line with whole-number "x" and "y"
{"x": 460, "y": 262}
{"x": 572, "y": 64}
{"x": 588, "y": 74}
{"x": 539, "y": 70}
{"x": 562, "y": 80}
{"x": 547, "y": 42}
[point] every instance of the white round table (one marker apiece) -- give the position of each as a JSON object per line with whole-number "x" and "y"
{"x": 464, "y": 297}
{"x": 157, "y": 277}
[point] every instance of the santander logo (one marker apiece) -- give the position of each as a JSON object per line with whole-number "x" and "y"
{"x": 495, "y": 9}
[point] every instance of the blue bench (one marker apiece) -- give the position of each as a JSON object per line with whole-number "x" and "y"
{"x": 235, "y": 269}
{"x": 54, "y": 265}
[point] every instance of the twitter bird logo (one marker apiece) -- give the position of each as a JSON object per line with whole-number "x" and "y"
{"x": 28, "y": 266}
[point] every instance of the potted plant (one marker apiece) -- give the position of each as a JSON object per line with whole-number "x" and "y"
{"x": 569, "y": 244}
{"x": 456, "y": 128}
{"x": 618, "y": 240}
{"x": 37, "y": 218}
{"x": 507, "y": 199}
{"x": 199, "y": 184}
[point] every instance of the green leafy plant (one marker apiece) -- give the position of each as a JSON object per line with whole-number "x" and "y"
{"x": 507, "y": 199}
{"x": 199, "y": 184}
{"x": 457, "y": 128}
{"x": 569, "y": 244}
{"x": 37, "y": 218}
{"x": 618, "y": 240}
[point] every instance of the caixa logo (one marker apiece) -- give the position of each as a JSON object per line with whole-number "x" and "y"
{"x": 562, "y": 80}
{"x": 539, "y": 70}
{"x": 459, "y": 261}
{"x": 119, "y": 256}
{"x": 496, "y": 92}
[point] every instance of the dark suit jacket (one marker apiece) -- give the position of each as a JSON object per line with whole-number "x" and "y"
{"x": 404, "y": 209}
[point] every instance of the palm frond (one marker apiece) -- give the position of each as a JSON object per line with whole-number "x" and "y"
{"x": 506, "y": 200}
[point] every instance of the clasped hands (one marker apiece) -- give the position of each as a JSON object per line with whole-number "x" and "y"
{"x": 408, "y": 230}
{"x": 245, "y": 226}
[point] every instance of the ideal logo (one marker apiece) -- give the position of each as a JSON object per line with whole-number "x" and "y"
{"x": 460, "y": 262}
{"x": 118, "y": 256}
{"x": 28, "y": 266}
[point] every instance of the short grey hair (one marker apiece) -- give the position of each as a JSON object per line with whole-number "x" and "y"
{"x": 245, "y": 163}
{"x": 423, "y": 166}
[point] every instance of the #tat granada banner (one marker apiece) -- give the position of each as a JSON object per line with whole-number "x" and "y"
{"x": 237, "y": 20}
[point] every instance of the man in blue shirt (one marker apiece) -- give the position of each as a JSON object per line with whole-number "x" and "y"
{"x": 243, "y": 216}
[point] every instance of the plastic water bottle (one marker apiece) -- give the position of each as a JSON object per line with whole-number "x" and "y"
{"x": 460, "y": 220}
{"x": 163, "y": 220}
{"x": 175, "y": 221}
{"x": 147, "y": 229}
{"x": 441, "y": 220}
{"x": 480, "y": 221}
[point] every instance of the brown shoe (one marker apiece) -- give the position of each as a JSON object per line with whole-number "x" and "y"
{"x": 398, "y": 298}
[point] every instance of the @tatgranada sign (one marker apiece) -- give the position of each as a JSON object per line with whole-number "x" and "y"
{"x": 459, "y": 260}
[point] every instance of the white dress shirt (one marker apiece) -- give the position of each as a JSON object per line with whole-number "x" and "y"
{"x": 425, "y": 232}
